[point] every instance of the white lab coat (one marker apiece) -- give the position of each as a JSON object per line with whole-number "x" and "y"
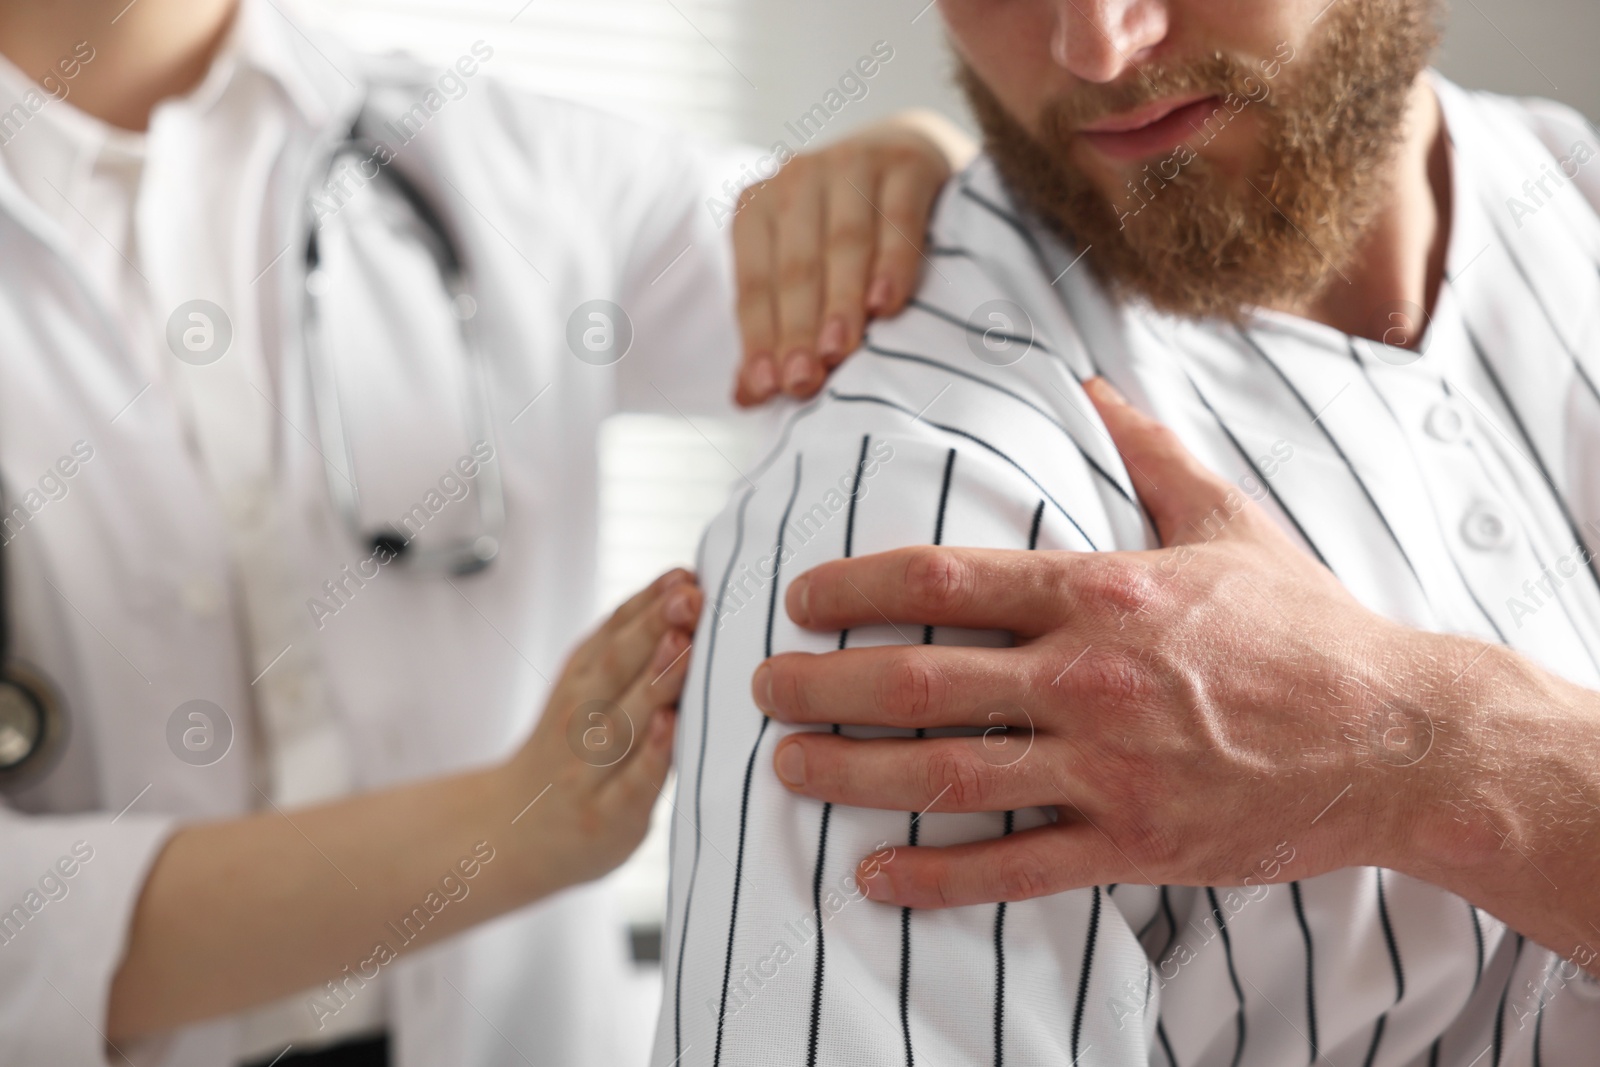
{"x": 552, "y": 205}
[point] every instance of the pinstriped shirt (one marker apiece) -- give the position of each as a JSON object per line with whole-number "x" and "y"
{"x": 1454, "y": 489}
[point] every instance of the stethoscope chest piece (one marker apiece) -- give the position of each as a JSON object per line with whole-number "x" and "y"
{"x": 32, "y": 727}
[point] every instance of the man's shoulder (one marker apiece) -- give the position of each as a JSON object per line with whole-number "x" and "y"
{"x": 1509, "y": 141}
{"x": 1552, "y": 122}
{"x": 981, "y": 375}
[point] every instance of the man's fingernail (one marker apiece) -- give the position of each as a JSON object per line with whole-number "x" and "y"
{"x": 796, "y": 371}
{"x": 761, "y": 688}
{"x": 762, "y": 378}
{"x": 831, "y": 343}
{"x": 791, "y": 765}
{"x": 1105, "y": 391}
{"x": 874, "y": 883}
{"x": 879, "y": 295}
{"x": 800, "y": 598}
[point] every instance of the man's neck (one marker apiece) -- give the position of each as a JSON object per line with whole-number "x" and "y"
{"x": 1388, "y": 292}
{"x": 144, "y": 52}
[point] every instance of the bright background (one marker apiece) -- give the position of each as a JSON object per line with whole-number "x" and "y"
{"x": 739, "y": 69}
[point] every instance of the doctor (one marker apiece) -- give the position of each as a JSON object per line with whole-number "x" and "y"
{"x": 298, "y": 532}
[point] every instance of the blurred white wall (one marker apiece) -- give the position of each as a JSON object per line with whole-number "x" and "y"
{"x": 1527, "y": 47}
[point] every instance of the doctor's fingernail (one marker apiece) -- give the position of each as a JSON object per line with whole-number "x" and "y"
{"x": 1104, "y": 391}
{"x": 680, "y": 609}
{"x": 668, "y": 649}
{"x": 797, "y": 371}
{"x": 832, "y": 341}
{"x": 879, "y": 295}
{"x": 790, "y": 763}
{"x": 762, "y": 378}
{"x": 761, "y": 688}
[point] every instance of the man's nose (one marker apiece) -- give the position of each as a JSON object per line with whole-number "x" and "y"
{"x": 1099, "y": 40}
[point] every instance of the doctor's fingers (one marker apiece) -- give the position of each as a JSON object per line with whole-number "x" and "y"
{"x": 757, "y": 297}
{"x": 650, "y": 705}
{"x": 609, "y": 660}
{"x": 642, "y": 774}
{"x": 797, "y": 258}
{"x": 905, "y": 200}
{"x": 850, "y": 238}
{"x": 667, "y": 584}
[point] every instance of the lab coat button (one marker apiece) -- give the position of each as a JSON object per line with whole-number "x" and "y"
{"x": 201, "y": 596}
{"x": 1446, "y": 422}
{"x": 247, "y": 504}
{"x": 1486, "y": 527}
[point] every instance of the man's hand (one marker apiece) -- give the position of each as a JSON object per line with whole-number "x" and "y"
{"x": 1194, "y": 714}
{"x": 833, "y": 240}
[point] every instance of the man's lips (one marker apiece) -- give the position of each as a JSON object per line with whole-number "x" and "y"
{"x": 1153, "y": 128}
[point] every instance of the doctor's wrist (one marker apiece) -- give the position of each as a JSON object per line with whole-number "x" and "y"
{"x": 538, "y": 853}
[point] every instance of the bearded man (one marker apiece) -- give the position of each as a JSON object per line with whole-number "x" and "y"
{"x": 1248, "y": 720}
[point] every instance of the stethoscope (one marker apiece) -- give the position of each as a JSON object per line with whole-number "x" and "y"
{"x": 462, "y": 555}
{"x": 32, "y": 724}
{"x": 33, "y": 720}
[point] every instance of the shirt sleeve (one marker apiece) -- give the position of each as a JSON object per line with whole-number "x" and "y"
{"x": 67, "y": 893}
{"x": 770, "y": 945}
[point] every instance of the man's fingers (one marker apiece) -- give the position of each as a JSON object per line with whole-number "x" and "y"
{"x": 753, "y": 252}
{"x": 907, "y": 686}
{"x": 906, "y": 201}
{"x": 985, "y": 589}
{"x": 798, "y": 255}
{"x": 998, "y": 771}
{"x": 1185, "y": 498}
{"x": 1019, "y": 866}
{"x": 851, "y": 229}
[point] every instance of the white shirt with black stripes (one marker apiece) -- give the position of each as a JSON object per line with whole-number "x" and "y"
{"x": 1453, "y": 490}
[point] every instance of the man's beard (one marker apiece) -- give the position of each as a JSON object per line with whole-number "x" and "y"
{"x": 1194, "y": 241}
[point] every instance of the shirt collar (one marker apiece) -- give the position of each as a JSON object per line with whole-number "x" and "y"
{"x": 321, "y": 78}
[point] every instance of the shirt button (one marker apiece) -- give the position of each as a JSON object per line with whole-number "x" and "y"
{"x": 1583, "y": 984}
{"x": 1586, "y": 985}
{"x": 1446, "y": 422}
{"x": 1486, "y": 527}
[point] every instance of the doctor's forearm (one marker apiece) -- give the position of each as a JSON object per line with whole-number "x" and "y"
{"x": 239, "y": 913}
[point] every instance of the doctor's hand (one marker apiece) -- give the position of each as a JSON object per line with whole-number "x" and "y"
{"x": 598, "y": 758}
{"x": 1193, "y": 715}
{"x": 833, "y": 240}
{"x": 240, "y": 912}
